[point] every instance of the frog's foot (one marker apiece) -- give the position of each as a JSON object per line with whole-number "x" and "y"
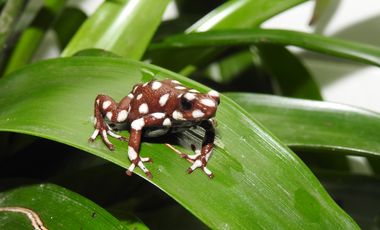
{"x": 191, "y": 158}
{"x": 139, "y": 161}
{"x": 199, "y": 161}
{"x": 102, "y": 129}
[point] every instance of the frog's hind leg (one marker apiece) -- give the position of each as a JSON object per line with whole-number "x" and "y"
{"x": 202, "y": 156}
{"x": 154, "y": 119}
{"x": 106, "y": 107}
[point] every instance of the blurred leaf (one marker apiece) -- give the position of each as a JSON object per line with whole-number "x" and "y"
{"x": 31, "y": 38}
{"x": 260, "y": 182}
{"x": 315, "y": 126}
{"x": 123, "y": 27}
{"x": 324, "y": 11}
{"x": 291, "y": 76}
{"x": 96, "y": 53}
{"x": 232, "y": 14}
{"x": 358, "y": 194}
{"x": 225, "y": 70}
{"x": 330, "y": 46}
{"x": 10, "y": 13}
{"x": 319, "y": 7}
{"x": 8, "y": 17}
{"x": 68, "y": 23}
{"x": 56, "y": 207}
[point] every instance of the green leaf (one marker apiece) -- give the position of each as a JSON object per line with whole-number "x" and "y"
{"x": 227, "y": 69}
{"x": 10, "y": 13}
{"x": 67, "y": 24}
{"x": 349, "y": 189}
{"x": 31, "y": 38}
{"x": 56, "y": 207}
{"x": 123, "y": 27}
{"x": 315, "y": 126}
{"x": 291, "y": 76}
{"x": 8, "y": 17}
{"x": 258, "y": 182}
{"x": 96, "y": 53}
{"x": 232, "y": 14}
{"x": 330, "y": 46}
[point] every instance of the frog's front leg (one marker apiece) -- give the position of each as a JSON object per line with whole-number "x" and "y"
{"x": 105, "y": 106}
{"x": 201, "y": 157}
{"x": 154, "y": 119}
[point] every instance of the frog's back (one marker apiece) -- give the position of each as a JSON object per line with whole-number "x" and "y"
{"x": 155, "y": 97}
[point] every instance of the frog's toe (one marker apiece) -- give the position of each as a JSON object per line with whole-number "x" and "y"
{"x": 94, "y": 135}
{"x": 106, "y": 141}
{"x": 194, "y": 156}
{"x": 141, "y": 166}
{"x": 200, "y": 164}
{"x": 146, "y": 159}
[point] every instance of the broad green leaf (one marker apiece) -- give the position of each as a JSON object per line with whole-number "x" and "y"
{"x": 132, "y": 198}
{"x": 291, "y": 76}
{"x": 313, "y": 125}
{"x": 124, "y": 27}
{"x": 230, "y": 15}
{"x": 258, "y": 182}
{"x": 330, "y": 46}
{"x": 55, "y": 207}
{"x": 31, "y": 38}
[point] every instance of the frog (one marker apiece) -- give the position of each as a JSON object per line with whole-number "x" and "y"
{"x": 153, "y": 109}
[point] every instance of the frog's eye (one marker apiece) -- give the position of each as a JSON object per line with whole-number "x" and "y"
{"x": 217, "y": 100}
{"x": 186, "y": 104}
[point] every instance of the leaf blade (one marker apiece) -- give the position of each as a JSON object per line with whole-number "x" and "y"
{"x": 330, "y": 46}
{"x": 313, "y": 125}
{"x": 42, "y": 200}
{"x": 292, "y": 77}
{"x": 60, "y": 109}
{"x": 120, "y": 27}
{"x": 230, "y": 15}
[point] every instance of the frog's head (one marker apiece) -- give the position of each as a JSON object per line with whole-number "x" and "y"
{"x": 194, "y": 106}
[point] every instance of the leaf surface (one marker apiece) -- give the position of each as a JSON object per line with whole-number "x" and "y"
{"x": 335, "y": 47}
{"x": 291, "y": 76}
{"x": 258, "y": 181}
{"x": 123, "y": 27}
{"x": 314, "y": 125}
{"x": 230, "y": 15}
{"x": 55, "y": 207}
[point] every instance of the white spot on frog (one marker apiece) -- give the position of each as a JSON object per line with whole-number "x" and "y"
{"x": 156, "y": 85}
{"x": 163, "y": 99}
{"x": 143, "y": 109}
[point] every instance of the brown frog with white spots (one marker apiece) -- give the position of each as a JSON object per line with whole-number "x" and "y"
{"x": 154, "y": 109}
